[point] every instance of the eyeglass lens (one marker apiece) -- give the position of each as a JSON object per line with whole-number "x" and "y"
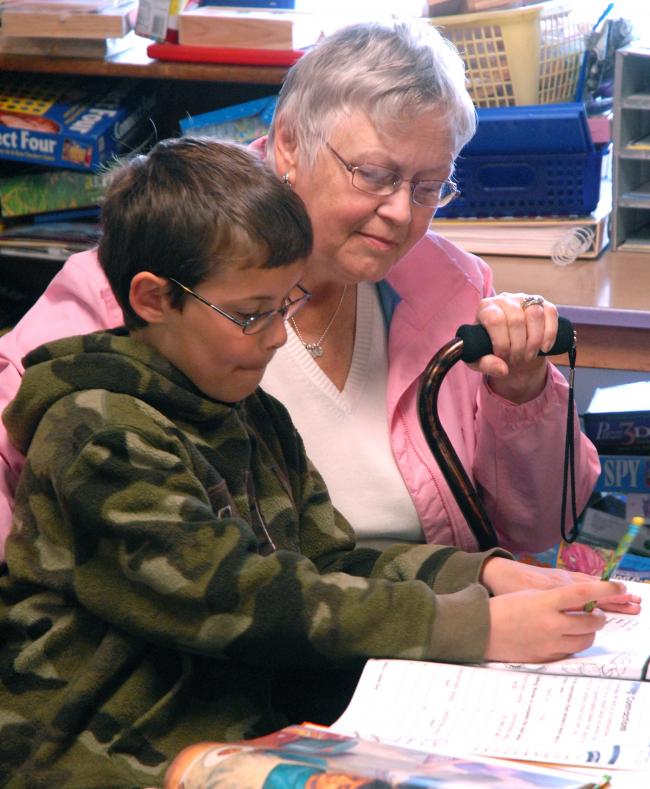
{"x": 258, "y": 323}
{"x": 382, "y": 181}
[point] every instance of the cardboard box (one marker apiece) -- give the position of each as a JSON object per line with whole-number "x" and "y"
{"x": 619, "y": 433}
{"x": 624, "y": 474}
{"x": 46, "y": 191}
{"x": 72, "y": 122}
{"x": 158, "y": 19}
{"x": 617, "y": 420}
{"x": 241, "y": 123}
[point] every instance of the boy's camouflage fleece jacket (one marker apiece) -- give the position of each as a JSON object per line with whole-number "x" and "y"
{"x": 177, "y": 573}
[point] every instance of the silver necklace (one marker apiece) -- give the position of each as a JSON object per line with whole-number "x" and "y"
{"x": 316, "y": 348}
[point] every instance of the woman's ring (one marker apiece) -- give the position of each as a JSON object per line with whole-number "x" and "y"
{"x": 530, "y": 300}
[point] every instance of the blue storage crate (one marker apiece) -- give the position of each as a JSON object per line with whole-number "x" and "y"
{"x": 540, "y": 128}
{"x": 554, "y": 184}
{"x": 528, "y": 161}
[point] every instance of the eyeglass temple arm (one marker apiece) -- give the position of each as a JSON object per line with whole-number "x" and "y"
{"x": 470, "y": 344}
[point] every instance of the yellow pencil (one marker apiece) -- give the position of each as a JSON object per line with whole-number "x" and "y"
{"x": 619, "y": 552}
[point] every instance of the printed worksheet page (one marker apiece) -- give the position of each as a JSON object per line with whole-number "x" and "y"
{"x": 621, "y": 649}
{"x": 463, "y": 710}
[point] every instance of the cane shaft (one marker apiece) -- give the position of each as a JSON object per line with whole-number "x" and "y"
{"x": 452, "y": 469}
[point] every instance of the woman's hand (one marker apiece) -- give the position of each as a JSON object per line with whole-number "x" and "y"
{"x": 519, "y": 327}
{"x": 501, "y": 576}
{"x": 505, "y": 576}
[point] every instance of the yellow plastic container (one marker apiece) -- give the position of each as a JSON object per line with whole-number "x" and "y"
{"x": 529, "y": 55}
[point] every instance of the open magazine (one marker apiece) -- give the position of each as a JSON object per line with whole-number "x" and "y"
{"x": 307, "y": 757}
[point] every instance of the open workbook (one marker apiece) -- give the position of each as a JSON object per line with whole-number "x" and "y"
{"x": 418, "y": 724}
{"x": 621, "y": 649}
{"x": 589, "y": 709}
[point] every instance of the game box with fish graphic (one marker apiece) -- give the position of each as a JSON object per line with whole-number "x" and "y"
{"x": 72, "y": 122}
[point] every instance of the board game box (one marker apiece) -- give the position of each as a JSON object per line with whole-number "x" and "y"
{"x": 44, "y": 190}
{"x": 240, "y": 123}
{"x": 73, "y": 122}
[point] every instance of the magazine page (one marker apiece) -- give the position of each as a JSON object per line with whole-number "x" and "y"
{"x": 462, "y": 710}
{"x": 306, "y": 757}
{"x": 621, "y": 649}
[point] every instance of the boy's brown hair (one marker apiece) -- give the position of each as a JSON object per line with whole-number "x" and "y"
{"x": 190, "y": 206}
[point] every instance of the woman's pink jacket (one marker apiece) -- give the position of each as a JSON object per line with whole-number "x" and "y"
{"x": 514, "y": 453}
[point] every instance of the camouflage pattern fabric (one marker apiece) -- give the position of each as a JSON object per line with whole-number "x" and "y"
{"x": 177, "y": 572}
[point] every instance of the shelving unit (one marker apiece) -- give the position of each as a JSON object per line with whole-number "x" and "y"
{"x": 631, "y": 166}
{"x": 135, "y": 62}
{"x": 182, "y": 89}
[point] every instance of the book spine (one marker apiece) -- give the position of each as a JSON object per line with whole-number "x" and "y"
{"x": 624, "y": 474}
{"x": 622, "y": 433}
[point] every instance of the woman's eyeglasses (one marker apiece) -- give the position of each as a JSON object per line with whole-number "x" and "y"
{"x": 252, "y": 324}
{"x": 377, "y": 180}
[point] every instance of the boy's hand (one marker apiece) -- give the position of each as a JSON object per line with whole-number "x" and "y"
{"x": 538, "y": 626}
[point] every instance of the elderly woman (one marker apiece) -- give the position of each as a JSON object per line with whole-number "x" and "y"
{"x": 366, "y": 131}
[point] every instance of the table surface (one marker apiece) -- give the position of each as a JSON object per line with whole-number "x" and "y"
{"x": 613, "y": 290}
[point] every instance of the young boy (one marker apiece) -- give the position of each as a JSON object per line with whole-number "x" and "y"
{"x": 176, "y": 569}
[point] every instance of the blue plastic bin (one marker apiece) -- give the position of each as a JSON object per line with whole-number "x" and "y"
{"x": 557, "y": 184}
{"x": 528, "y": 161}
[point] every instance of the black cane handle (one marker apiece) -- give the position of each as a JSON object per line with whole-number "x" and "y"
{"x": 477, "y": 343}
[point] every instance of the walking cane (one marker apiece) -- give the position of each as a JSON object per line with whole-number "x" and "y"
{"x": 470, "y": 344}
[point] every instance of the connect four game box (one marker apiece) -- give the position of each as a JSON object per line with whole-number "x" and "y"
{"x": 71, "y": 122}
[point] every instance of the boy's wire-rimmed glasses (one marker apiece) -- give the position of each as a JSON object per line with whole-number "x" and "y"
{"x": 374, "y": 179}
{"x": 252, "y": 324}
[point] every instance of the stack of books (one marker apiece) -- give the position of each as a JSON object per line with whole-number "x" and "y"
{"x": 564, "y": 239}
{"x": 67, "y": 28}
{"x": 58, "y": 135}
{"x": 618, "y": 423}
{"x": 262, "y": 32}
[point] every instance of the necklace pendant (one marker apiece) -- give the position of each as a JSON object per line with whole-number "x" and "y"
{"x": 314, "y": 349}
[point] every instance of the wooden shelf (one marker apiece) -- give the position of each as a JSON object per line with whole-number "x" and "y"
{"x": 182, "y": 89}
{"x": 136, "y": 63}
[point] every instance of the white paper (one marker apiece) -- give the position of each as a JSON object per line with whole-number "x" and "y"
{"x": 494, "y": 712}
{"x": 621, "y": 649}
{"x": 624, "y": 397}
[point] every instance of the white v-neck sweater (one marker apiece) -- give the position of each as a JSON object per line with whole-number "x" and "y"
{"x": 346, "y": 432}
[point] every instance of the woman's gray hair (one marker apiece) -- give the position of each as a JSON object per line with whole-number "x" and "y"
{"x": 393, "y": 73}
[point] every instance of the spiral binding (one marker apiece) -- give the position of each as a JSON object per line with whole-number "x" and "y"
{"x": 573, "y": 244}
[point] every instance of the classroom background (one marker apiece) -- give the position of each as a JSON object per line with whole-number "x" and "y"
{"x": 555, "y": 186}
